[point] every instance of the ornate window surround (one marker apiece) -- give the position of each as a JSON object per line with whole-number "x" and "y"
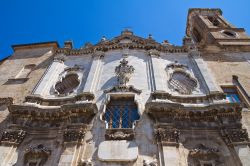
{"x": 178, "y": 67}
{"x": 79, "y": 71}
{"x": 120, "y": 133}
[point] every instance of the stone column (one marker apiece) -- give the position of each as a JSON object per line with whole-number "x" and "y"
{"x": 205, "y": 75}
{"x": 94, "y": 73}
{"x": 157, "y": 81}
{"x": 50, "y": 76}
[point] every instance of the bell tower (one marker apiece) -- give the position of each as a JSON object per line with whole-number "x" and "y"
{"x": 210, "y": 31}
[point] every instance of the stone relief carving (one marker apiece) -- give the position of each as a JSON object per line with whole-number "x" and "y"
{"x": 119, "y": 134}
{"x": 129, "y": 88}
{"x": 73, "y": 135}
{"x": 124, "y": 72}
{"x": 36, "y": 155}
{"x": 168, "y": 136}
{"x": 202, "y": 150}
{"x": 13, "y": 136}
{"x": 232, "y": 136}
{"x": 181, "y": 79}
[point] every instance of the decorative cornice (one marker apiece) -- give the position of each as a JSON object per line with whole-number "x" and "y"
{"x": 85, "y": 96}
{"x": 161, "y": 95}
{"x": 136, "y": 43}
{"x": 201, "y": 151}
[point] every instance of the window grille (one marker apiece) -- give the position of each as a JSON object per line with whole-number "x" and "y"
{"x": 182, "y": 83}
{"x": 121, "y": 113}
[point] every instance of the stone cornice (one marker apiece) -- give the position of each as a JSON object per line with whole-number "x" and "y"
{"x": 136, "y": 43}
{"x": 6, "y": 101}
{"x": 187, "y": 98}
{"x": 60, "y": 100}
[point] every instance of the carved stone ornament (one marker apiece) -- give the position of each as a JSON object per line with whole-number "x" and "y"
{"x": 73, "y": 135}
{"x": 37, "y": 154}
{"x": 150, "y": 162}
{"x": 168, "y": 136}
{"x": 203, "y": 151}
{"x": 235, "y": 136}
{"x": 85, "y": 163}
{"x": 60, "y": 58}
{"x": 129, "y": 88}
{"x": 13, "y": 136}
{"x": 124, "y": 72}
{"x": 119, "y": 134}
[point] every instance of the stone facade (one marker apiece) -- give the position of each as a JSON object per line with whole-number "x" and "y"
{"x": 130, "y": 100}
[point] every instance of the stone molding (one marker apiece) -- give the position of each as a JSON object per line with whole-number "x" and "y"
{"x": 187, "y": 98}
{"x": 117, "y": 89}
{"x": 86, "y": 96}
{"x": 201, "y": 151}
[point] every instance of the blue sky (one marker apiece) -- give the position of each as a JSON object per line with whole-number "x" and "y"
{"x": 84, "y": 21}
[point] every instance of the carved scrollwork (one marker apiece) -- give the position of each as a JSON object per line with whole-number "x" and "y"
{"x": 150, "y": 162}
{"x": 73, "y": 135}
{"x": 119, "y": 134}
{"x": 168, "y": 136}
{"x": 37, "y": 154}
{"x": 201, "y": 150}
{"x": 124, "y": 72}
{"x": 13, "y": 136}
{"x": 234, "y": 136}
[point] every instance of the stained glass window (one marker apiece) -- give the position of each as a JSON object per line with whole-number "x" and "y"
{"x": 121, "y": 113}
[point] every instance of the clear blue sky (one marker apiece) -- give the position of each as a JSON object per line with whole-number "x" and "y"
{"x": 27, "y": 21}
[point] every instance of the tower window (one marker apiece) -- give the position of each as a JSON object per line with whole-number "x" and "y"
{"x": 231, "y": 94}
{"x": 228, "y": 33}
{"x": 182, "y": 83}
{"x": 214, "y": 21}
{"x": 121, "y": 113}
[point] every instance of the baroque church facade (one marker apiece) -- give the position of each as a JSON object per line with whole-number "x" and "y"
{"x": 130, "y": 101}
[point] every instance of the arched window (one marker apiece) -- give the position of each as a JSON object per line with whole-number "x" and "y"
{"x": 214, "y": 21}
{"x": 182, "y": 82}
{"x": 68, "y": 84}
{"x": 121, "y": 113}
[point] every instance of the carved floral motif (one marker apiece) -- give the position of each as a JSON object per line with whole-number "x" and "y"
{"x": 169, "y": 136}
{"x": 124, "y": 72}
{"x": 119, "y": 134}
{"x": 13, "y": 136}
{"x": 235, "y": 136}
{"x": 73, "y": 135}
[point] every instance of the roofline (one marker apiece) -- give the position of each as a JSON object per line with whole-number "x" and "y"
{"x": 35, "y": 45}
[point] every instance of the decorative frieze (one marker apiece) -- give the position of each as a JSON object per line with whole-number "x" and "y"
{"x": 128, "y": 88}
{"x": 235, "y": 136}
{"x": 6, "y": 101}
{"x": 201, "y": 151}
{"x": 167, "y": 136}
{"x": 13, "y": 136}
{"x": 119, "y": 134}
{"x": 73, "y": 135}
